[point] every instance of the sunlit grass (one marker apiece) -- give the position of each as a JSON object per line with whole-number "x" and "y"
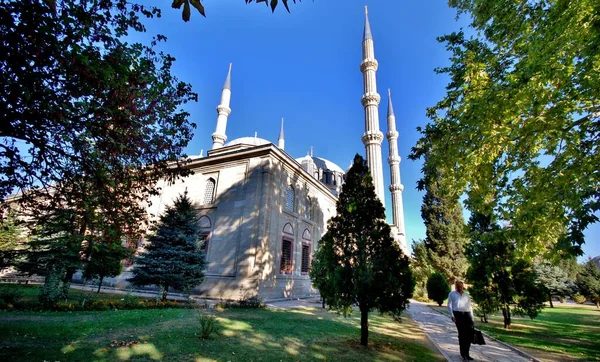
{"x": 173, "y": 335}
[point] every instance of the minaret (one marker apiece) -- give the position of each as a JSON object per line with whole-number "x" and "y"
{"x": 372, "y": 137}
{"x": 396, "y": 184}
{"x": 223, "y": 112}
{"x": 281, "y": 141}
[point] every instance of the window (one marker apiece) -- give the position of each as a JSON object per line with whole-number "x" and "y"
{"x": 290, "y": 196}
{"x": 287, "y": 242}
{"x": 205, "y": 229}
{"x": 305, "y": 266}
{"x": 308, "y": 210}
{"x": 209, "y": 192}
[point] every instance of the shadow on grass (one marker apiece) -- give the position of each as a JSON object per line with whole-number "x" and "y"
{"x": 244, "y": 335}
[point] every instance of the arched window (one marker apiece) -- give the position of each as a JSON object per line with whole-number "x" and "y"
{"x": 209, "y": 192}
{"x": 305, "y": 266}
{"x": 290, "y": 196}
{"x": 287, "y": 246}
{"x": 205, "y": 230}
{"x": 308, "y": 207}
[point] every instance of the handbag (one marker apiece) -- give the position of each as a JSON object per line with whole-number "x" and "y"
{"x": 478, "y": 337}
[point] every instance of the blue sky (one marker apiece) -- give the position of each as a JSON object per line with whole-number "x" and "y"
{"x": 304, "y": 66}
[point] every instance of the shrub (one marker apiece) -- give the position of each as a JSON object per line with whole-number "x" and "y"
{"x": 437, "y": 288}
{"x": 10, "y": 296}
{"x": 208, "y": 324}
{"x": 578, "y": 298}
{"x": 247, "y": 303}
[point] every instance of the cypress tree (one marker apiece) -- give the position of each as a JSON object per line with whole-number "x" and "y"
{"x": 358, "y": 260}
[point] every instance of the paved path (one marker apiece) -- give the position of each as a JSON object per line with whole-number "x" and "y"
{"x": 442, "y": 332}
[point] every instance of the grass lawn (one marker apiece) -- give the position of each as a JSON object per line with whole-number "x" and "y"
{"x": 172, "y": 335}
{"x": 30, "y": 293}
{"x": 566, "y": 332}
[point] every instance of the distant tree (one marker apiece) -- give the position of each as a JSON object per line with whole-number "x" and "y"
{"x": 437, "y": 288}
{"x": 500, "y": 279}
{"x": 172, "y": 257}
{"x": 55, "y": 251}
{"x": 554, "y": 280}
{"x": 105, "y": 260}
{"x": 445, "y": 238}
{"x": 588, "y": 281}
{"x": 10, "y": 238}
{"x": 421, "y": 267}
{"x": 358, "y": 259}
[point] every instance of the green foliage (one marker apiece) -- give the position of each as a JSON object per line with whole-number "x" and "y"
{"x": 105, "y": 260}
{"x": 197, "y": 4}
{"x": 421, "y": 269}
{"x": 521, "y": 119}
{"x": 242, "y": 303}
{"x": 9, "y": 297}
{"x": 554, "y": 280}
{"x": 500, "y": 279}
{"x": 10, "y": 238}
{"x": 588, "y": 282}
{"x": 92, "y": 111}
{"x": 437, "y": 288}
{"x": 172, "y": 257}
{"x": 208, "y": 324}
{"x": 358, "y": 260}
{"x": 445, "y": 228}
{"x": 578, "y": 298}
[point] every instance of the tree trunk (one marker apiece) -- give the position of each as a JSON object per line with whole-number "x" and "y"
{"x": 323, "y": 302}
{"x": 100, "y": 286}
{"x": 364, "y": 326}
{"x": 550, "y": 299}
{"x": 506, "y": 315}
{"x": 164, "y": 293}
{"x": 66, "y": 283}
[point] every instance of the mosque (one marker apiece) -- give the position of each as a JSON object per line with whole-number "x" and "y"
{"x": 262, "y": 211}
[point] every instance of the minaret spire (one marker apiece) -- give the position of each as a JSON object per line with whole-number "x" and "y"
{"x": 281, "y": 141}
{"x": 396, "y": 186}
{"x": 223, "y": 112}
{"x": 372, "y": 137}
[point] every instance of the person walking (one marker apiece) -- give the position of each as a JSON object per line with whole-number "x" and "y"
{"x": 459, "y": 306}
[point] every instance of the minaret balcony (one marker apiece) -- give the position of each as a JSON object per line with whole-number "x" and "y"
{"x": 393, "y": 160}
{"x": 371, "y": 138}
{"x": 370, "y": 99}
{"x": 369, "y": 64}
{"x": 394, "y": 188}
{"x": 223, "y": 110}
{"x": 392, "y": 135}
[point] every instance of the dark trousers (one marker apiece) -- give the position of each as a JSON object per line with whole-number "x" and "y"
{"x": 464, "y": 324}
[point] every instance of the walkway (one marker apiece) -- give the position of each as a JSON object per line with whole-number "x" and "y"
{"x": 442, "y": 332}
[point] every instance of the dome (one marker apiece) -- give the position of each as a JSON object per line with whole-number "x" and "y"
{"x": 322, "y": 163}
{"x": 252, "y": 141}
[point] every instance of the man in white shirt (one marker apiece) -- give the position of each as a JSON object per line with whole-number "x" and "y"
{"x": 459, "y": 306}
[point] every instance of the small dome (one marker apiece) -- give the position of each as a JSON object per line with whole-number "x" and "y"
{"x": 252, "y": 141}
{"x": 322, "y": 163}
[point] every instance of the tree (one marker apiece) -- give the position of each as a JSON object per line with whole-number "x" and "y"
{"x": 173, "y": 258}
{"x": 438, "y": 288}
{"x": 554, "y": 280}
{"x": 358, "y": 260}
{"x": 90, "y": 122}
{"x": 421, "y": 267}
{"x": 500, "y": 278}
{"x": 105, "y": 260}
{"x": 588, "y": 282}
{"x": 197, "y": 4}
{"x": 445, "y": 229}
{"x": 521, "y": 118}
{"x": 10, "y": 238}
